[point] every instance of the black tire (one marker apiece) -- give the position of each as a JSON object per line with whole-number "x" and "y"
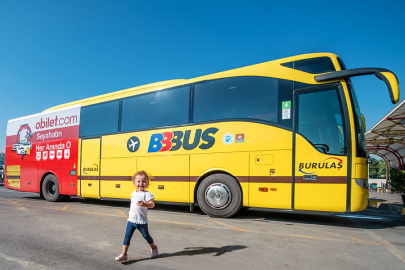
{"x": 50, "y": 189}
{"x": 219, "y": 195}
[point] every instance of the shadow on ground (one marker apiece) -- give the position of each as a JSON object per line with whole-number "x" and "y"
{"x": 192, "y": 251}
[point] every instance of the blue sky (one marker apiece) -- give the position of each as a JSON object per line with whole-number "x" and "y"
{"x": 53, "y": 52}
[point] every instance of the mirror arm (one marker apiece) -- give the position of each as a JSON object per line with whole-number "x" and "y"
{"x": 336, "y": 75}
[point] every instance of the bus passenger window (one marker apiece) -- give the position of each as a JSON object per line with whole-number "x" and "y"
{"x": 157, "y": 109}
{"x": 236, "y": 98}
{"x": 99, "y": 119}
{"x": 320, "y": 121}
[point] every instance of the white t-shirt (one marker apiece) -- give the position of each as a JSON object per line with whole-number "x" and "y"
{"x": 138, "y": 214}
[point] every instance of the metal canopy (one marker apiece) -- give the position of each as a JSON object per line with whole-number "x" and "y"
{"x": 386, "y": 139}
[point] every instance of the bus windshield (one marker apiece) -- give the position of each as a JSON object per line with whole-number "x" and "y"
{"x": 361, "y": 147}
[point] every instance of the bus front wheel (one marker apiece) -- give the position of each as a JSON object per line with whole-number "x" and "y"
{"x": 219, "y": 195}
{"x": 50, "y": 189}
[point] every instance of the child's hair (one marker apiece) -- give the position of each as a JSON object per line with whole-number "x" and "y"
{"x": 145, "y": 174}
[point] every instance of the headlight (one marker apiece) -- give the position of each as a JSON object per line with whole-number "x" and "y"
{"x": 363, "y": 183}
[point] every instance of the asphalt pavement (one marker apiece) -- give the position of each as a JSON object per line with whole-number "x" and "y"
{"x": 88, "y": 234}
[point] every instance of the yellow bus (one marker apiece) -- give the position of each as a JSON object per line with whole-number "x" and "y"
{"x": 284, "y": 134}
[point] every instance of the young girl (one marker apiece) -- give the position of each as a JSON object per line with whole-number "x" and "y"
{"x": 141, "y": 200}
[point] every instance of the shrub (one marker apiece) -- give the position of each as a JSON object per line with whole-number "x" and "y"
{"x": 398, "y": 181}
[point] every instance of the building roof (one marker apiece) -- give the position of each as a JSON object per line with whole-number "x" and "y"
{"x": 386, "y": 139}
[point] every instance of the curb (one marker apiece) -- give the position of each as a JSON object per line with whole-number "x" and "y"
{"x": 388, "y": 205}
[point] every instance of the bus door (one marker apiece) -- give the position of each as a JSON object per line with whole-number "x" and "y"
{"x": 90, "y": 168}
{"x": 320, "y": 150}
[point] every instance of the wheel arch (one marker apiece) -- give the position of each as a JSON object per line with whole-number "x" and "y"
{"x": 211, "y": 172}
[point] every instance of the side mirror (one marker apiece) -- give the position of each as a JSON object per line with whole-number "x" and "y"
{"x": 364, "y": 122}
{"x": 391, "y": 81}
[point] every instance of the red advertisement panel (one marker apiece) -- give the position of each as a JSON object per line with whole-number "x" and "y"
{"x": 40, "y": 144}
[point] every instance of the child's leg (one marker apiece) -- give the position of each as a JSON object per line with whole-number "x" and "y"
{"x": 128, "y": 235}
{"x": 125, "y": 249}
{"x": 143, "y": 228}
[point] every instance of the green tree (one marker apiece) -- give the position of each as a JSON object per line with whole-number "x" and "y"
{"x": 377, "y": 168}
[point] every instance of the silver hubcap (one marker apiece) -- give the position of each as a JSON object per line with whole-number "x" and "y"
{"x": 218, "y": 196}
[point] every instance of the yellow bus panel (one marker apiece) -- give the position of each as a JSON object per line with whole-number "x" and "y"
{"x": 13, "y": 175}
{"x": 90, "y": 188}
{"x": 276, "y": 195}
{"x": 320, "y": 197}
{"x": 270, "y": 179}
{"x": 171, "y": 177}
{"x": 361, "y": 171}
{"x": 359, "y": 197}
{"x": 115, "y": 177}
{"x": 90, "y": 168}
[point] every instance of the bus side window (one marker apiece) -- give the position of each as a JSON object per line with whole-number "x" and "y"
{"x": 157, "y": 109}
{"x": 236, "y": 98}
{"x": 99, "y": 119}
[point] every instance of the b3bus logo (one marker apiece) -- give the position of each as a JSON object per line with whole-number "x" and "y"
{"x": 321, "y": 165}
{"x": 172, "y": 141}
{"x": 86, "y": 170}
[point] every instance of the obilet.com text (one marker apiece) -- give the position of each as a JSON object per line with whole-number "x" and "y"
{"x": 54, "y": 122}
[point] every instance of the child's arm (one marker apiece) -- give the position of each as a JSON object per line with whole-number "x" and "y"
{"x": 149, "y": 204}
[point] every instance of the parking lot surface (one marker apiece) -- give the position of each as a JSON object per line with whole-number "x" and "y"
{"x": 88, "y": 234}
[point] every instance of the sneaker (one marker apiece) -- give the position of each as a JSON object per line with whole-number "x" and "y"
{"x": 155, "y": 253}
{"x": 121, "y": 258}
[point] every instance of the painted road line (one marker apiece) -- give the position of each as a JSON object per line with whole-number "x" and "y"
{"x": 15, "y": 202}
{"x": 188, "y": 224}
{"x": 23, "y": 263}
{"x": 65, "y": 207}
{"x": 398, "y": 253}
{"x": 28, "y": 205}
{"x": 339, "y": 235}
{"x": 122, "y": 213}
{"x": 233, "y": 227}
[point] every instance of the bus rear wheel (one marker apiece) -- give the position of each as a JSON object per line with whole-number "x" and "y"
{"x": 50, "y": 189}
{"x": 219, "y": 195}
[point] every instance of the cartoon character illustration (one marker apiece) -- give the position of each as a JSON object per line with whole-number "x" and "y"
{"x": 23, "y": 144}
